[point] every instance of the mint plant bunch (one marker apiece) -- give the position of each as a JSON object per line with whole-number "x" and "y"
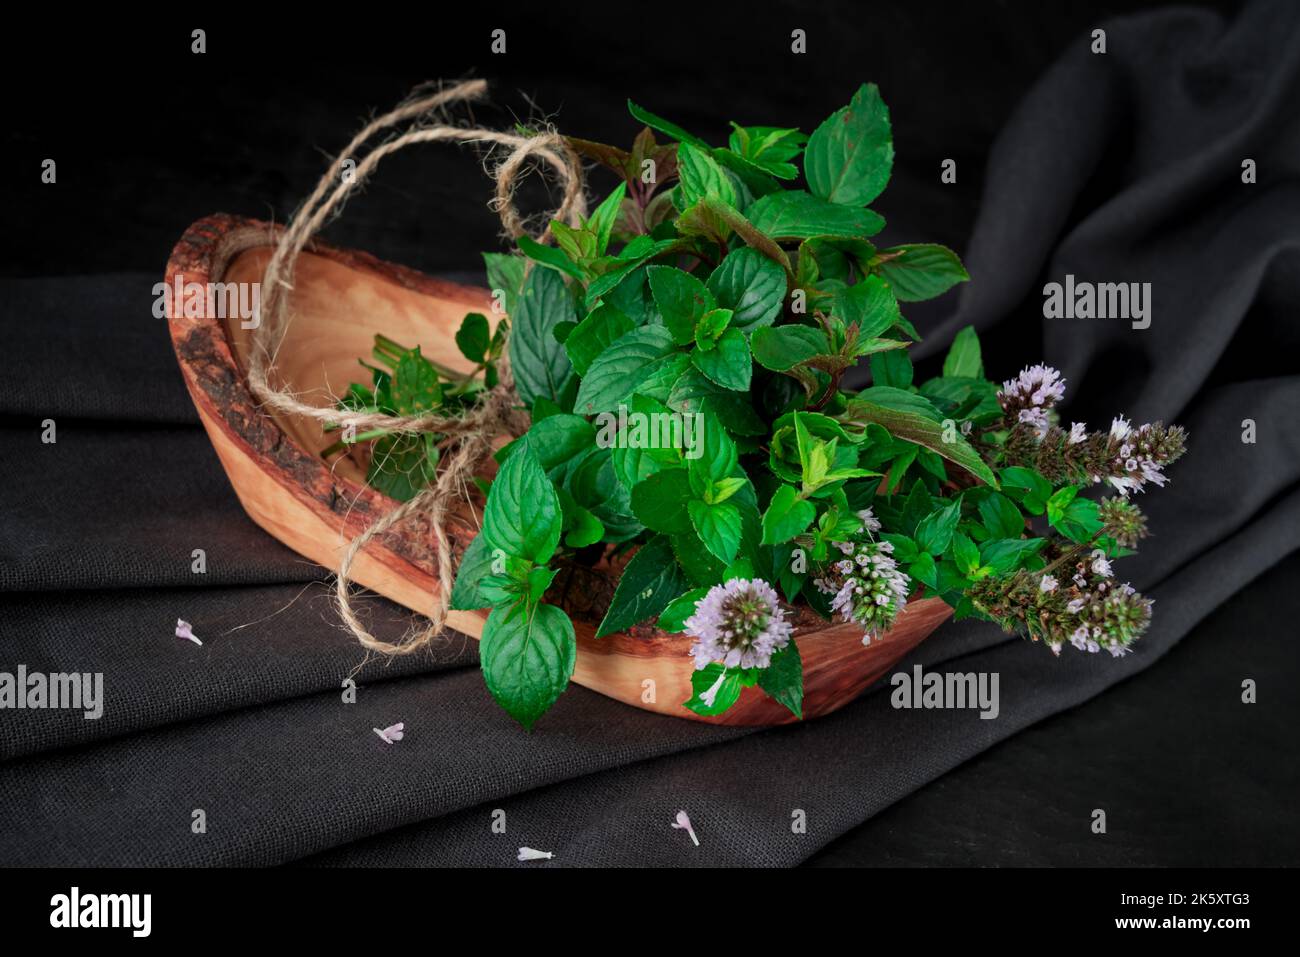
{"x": 681, "y": 352}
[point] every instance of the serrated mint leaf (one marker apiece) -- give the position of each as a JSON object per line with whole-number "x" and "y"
{"x": 798, "y": 215}
{"x": 1005, "y": 555}
{"x": 527, "y": 656}
{"x": 934, "y": 533}
{"x": 716, "y": 459}
{"x": 618, "y": 371}
{"x": 870, "y": 304}
{"x": 786, "y": 516}
{"x": 695, "y": 392}
{"x": 682, "y": 300}
{"x": 540, "y": 364}
{"x": 752, "y": 286}
{"x": 595, "y": 486}
{"x": 473, "y": 337}
{"x": 660, "y": 501}
{"x": 768, "y": 148}
{"x": 701, "y": 176}
{"x": 919, "y": 271}
{"x": 911, "y": 417}
{"x": 673, "y": 618}
{"x": 963, "y": 359}
{"x": 892, "y": 368}
{"x": 1001, "y": 517}
{"x": 783, "y": 679}
{"x": 549, "y": 256}
{"x": 603, "y": 325}
{"x": 780, "y": 348}
{"x": 522, "y": 516}
{"x": 965, "y": 553}
{"x": 718, "y": 526}
{"x": 475, "y": 565}
{"x": 728, "y": 362}
{"x": 505, "y": 272}
{"x": 723, "y": 686}
{"x": 651, "y": 580}
{"x": 605, "y": 216}
{"x": 849, "y": 157}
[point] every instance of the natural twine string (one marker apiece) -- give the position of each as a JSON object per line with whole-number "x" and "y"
{"x": 470, "y": 435}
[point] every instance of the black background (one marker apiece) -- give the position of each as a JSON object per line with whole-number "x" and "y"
{"x": 149, "y": 137}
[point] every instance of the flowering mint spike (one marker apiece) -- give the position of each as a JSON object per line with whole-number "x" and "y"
{"x": 740, "y": 623}
{"x": 867, "y": 584}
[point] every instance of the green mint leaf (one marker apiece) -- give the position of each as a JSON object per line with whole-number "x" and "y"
{"x": 787, "y": 516}
{"x": 695, "y": 392}
{"x": 1080, "y": 521}
{"x": 473, "y": 337}
{"x": 522, "y": 516}
{"x": 718, "y": 526}
{"x": 752, "y": 286}
{"x": 550, "y": 256}
{"x": 403, "y": 464}
{"x": 798, "y": 215}
{"x": 1001, "y": 517}
{"x": 540, "y": 364}
{"x": 905, "y": 550}
{"x": 934, "y": 533}
{"x": 769, "y": 148}
{"x": 660, "y": 501}
{"x": 596, "y": 487}
{"x": 915, "y": 419}
{"x": 963, "y": 359}
{"x": 618, "y": 371}
{"x": 781, "y": 348}
{"x": 728, "y": 363}
{"x": 1005, "y": 555}
{"x": 505, "y": 272}
{"x": 701, "y": 176}
{"x": 725, "y": 696}
{"x": 527, "y": 655}
{"x": 923, "y": 569}
{"x": 892, "y": 368}
{"x": 1057, "y": 503}
{"x": 919, "y": 271}
{"x": 605, "y": 216}
{"x": 1028, "y": 487}
{"x": 711, "y": 326}
{"x": 415, "y": 386}
{"x": 673, "y": 618}
{"x": 870, "y": 304}
{"x": 475, "y": 565}
{"x": 671, "y": 130}
{"x": 682, "y": 300}
{"x": 651, "y": 580}
{"x": 965, "y": 553}
{"x": 579, "y": 245}
{"x": 716, "y": 460}
{"x": 783, "y": 679}
{"x": 593, "y": 335}
{"x": 849, "y": 157}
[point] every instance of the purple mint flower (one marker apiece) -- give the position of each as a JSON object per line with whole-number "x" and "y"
{"x": 739, "y": 623}
{"x": 1039, "y": 386}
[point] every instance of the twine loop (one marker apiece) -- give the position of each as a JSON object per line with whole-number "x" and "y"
{"x": 469, "y": 436}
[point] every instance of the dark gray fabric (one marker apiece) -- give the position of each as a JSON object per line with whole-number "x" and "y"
{"x": 1117, "y": 167}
